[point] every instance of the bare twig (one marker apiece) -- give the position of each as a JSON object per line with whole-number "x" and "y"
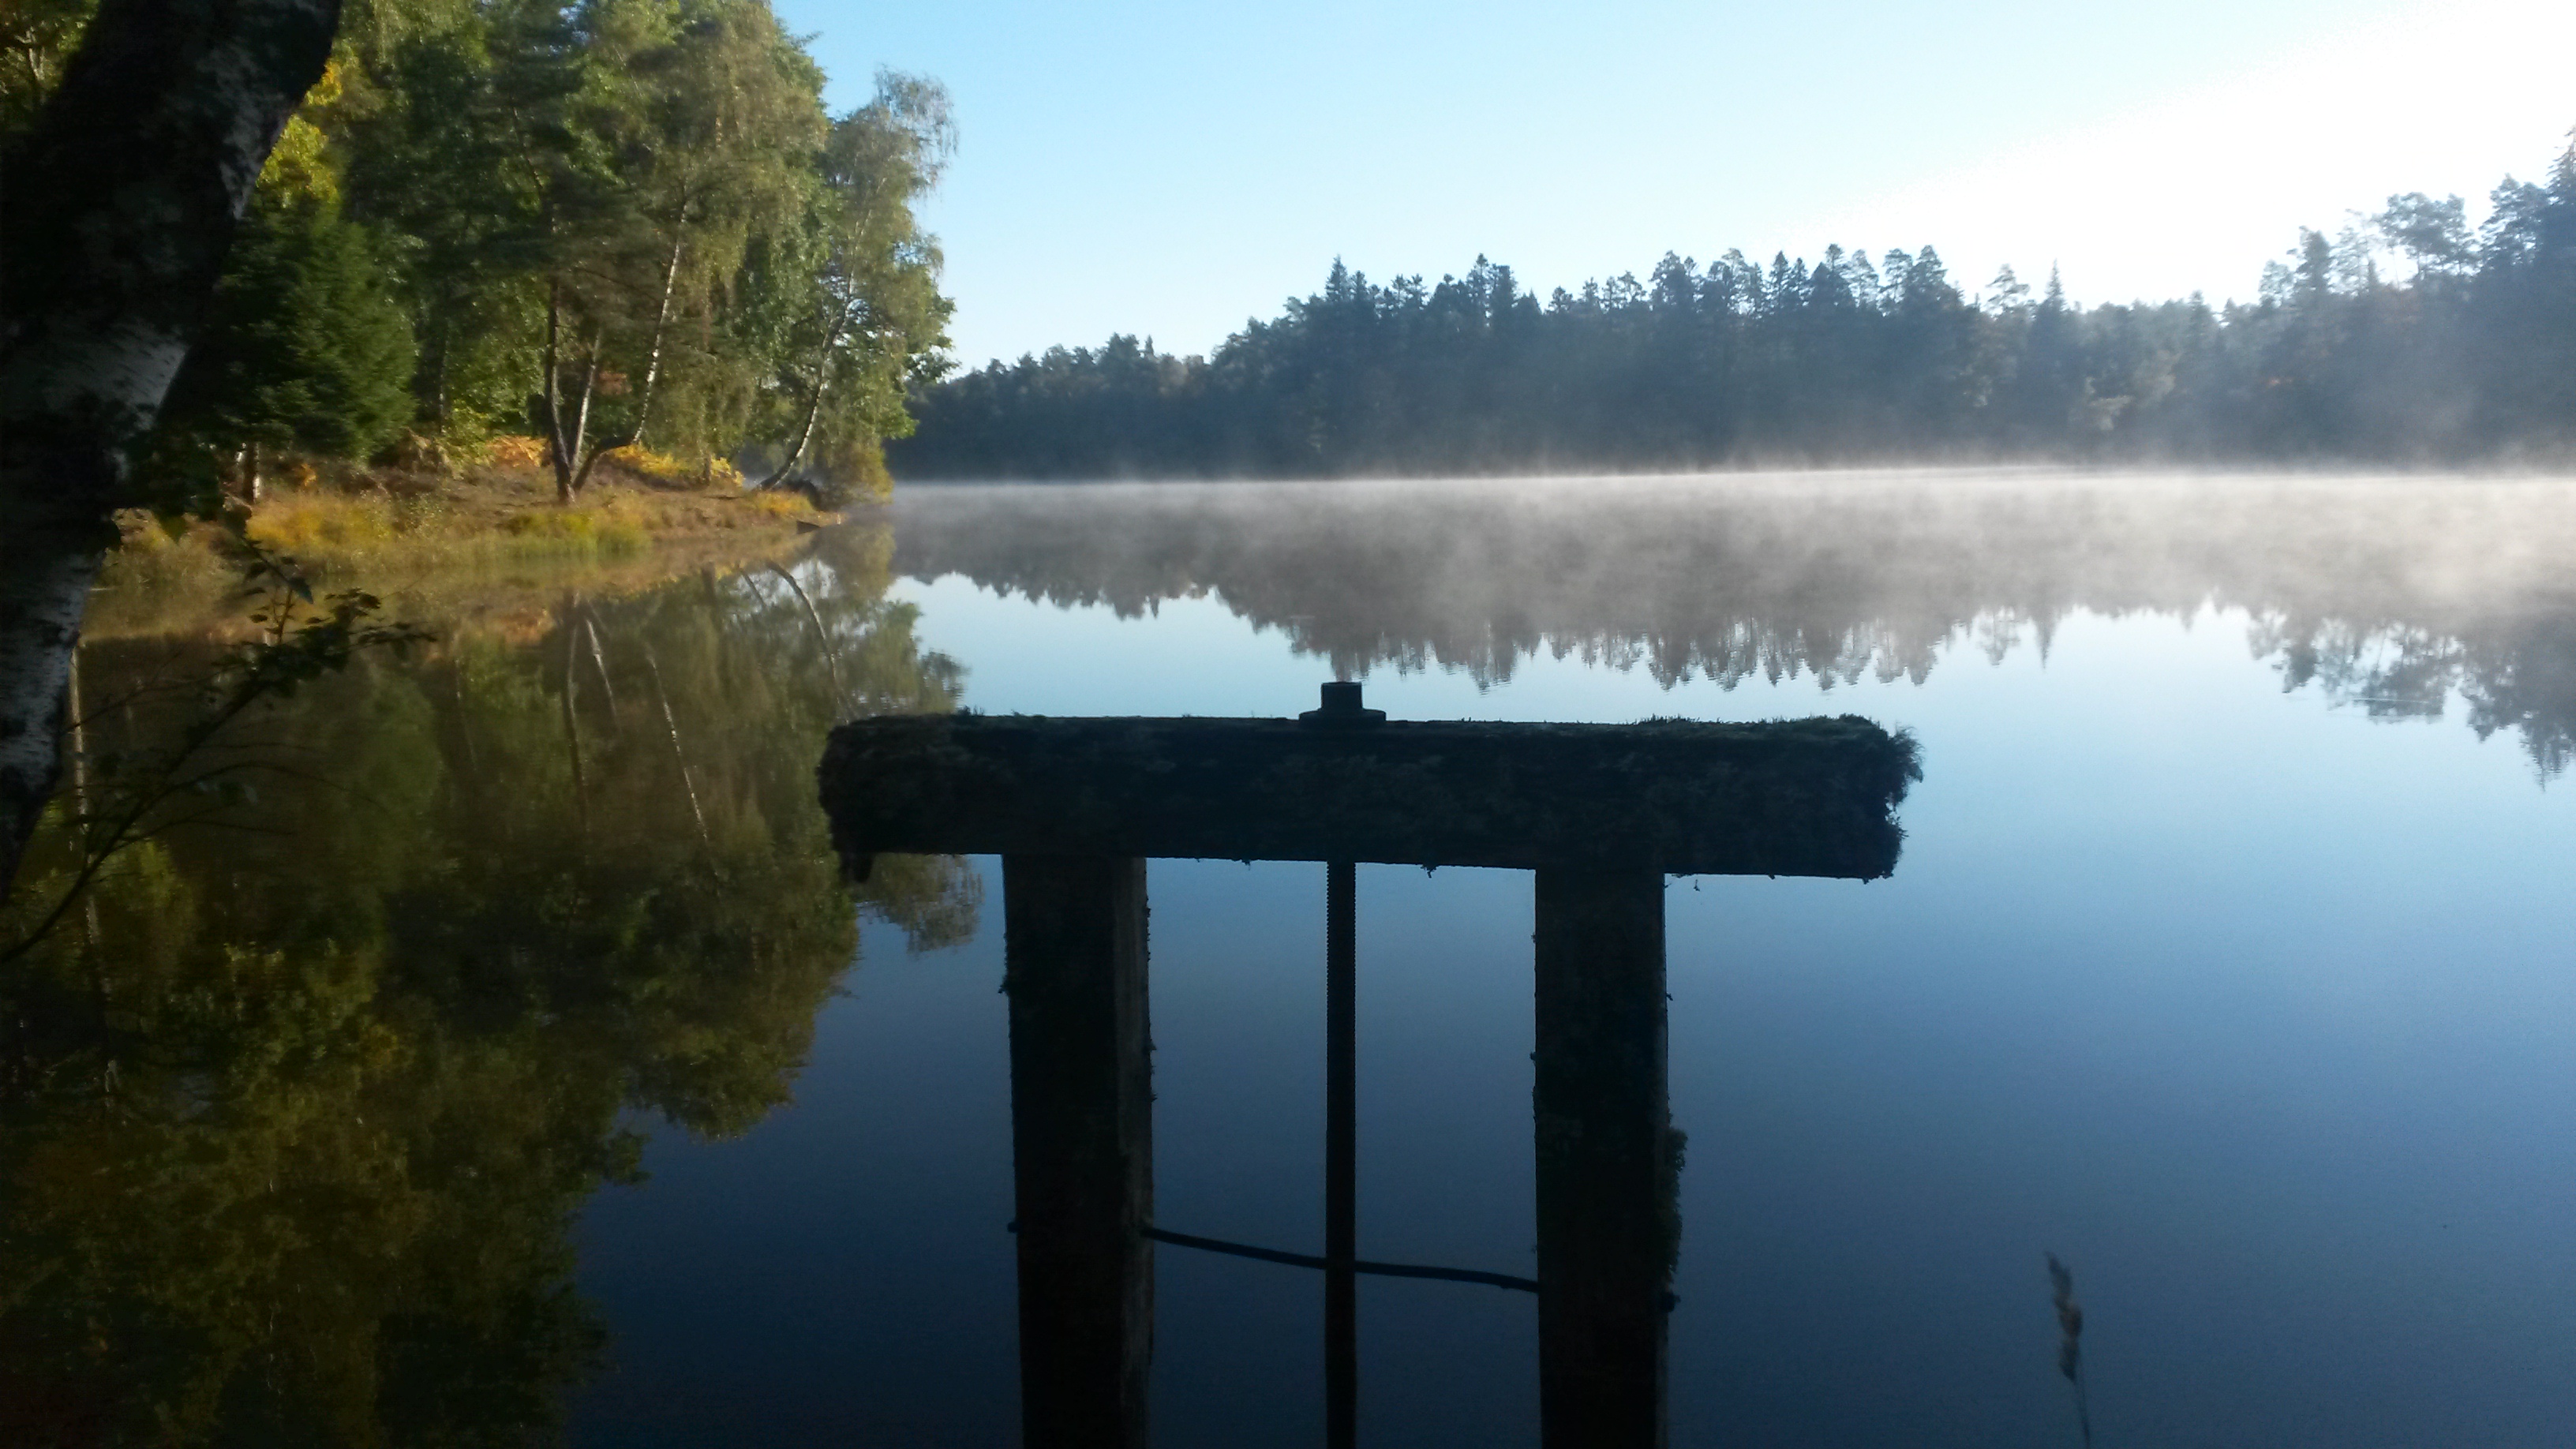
{"x": 2070, "y": 1346}
{"x": 298, "y": 642}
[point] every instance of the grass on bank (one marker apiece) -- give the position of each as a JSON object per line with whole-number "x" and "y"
{"x": 467, "y": 529}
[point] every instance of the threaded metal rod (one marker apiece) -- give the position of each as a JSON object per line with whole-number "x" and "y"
{"x": 1341, "y": 1161}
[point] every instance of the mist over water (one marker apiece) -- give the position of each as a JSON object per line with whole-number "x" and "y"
{"x": 643, "y": 935}
{"x": 2403, "y": 597}
{"x": 2225, "y": 959}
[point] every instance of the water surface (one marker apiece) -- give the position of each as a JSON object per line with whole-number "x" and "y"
{"x": 2227, "y": 959}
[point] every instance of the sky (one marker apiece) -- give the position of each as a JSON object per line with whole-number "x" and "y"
{"x": 1170, "y": 170}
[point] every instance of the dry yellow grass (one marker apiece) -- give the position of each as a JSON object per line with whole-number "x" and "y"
{"x": 779, "y": 505}
{"x": 714, "y": 474}
{"x": 383, "y": 527}
{"x": 515, "y": 451}
{"x": 318, "y": 523}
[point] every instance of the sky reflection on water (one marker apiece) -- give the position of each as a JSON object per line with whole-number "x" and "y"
{"x": 2252, "y": 1003}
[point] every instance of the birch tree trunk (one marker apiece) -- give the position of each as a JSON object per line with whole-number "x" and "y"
{"x": 123, "y": 201}
{"x": 568, "y": 448}
{"x": 661, "y": 320}
{"x": 804, "y": 437}
{"x": 559, "y": 451}
{"x": 581, "y": 449}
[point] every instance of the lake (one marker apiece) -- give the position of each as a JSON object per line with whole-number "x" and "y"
{"x": 520, "y": 1055}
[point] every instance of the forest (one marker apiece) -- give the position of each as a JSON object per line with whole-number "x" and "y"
{"x": 621, "y": 224}
{"x": 2406, "y": 337}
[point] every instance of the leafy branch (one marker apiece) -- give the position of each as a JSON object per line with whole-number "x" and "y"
{"x": 136, "y": 796}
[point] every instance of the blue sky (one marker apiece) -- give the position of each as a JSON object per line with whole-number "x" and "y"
{"x": 1170, "y": 169}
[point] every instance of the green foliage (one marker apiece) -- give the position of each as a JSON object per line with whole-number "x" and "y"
{"x": 609, "y": 222}
{"x": 621, "y": 217}
{"x": 295, "y": 1128}
{"x": 871, "y": 326}
{"x": 36, "y": 37}
{"x": 303, "y": 348}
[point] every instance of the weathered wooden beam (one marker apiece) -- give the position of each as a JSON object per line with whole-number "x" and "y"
{"x": 1609, "y": 1161}
{"x": 1082, "y": 1145}
{"x": 1805, "y": 797}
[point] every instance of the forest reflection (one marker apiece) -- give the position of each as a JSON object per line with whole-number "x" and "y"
{"x": 2389, "y": 595}
{"x": 296, "y": 1122}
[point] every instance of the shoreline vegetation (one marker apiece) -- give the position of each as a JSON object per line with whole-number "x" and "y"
{"x": 447, "y": 539}
{"x": 525, "y": 282}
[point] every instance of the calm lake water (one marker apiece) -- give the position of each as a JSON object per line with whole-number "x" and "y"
{"x": 2231, "y": 958}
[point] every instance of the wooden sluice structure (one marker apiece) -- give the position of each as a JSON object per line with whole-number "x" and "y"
{"x": 1601, "y": 813}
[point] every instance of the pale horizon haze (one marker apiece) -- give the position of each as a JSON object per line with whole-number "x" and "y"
{"x": 1172, "y": 170}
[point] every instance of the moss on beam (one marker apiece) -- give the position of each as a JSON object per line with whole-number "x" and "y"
{"x": 1795, "y": 797}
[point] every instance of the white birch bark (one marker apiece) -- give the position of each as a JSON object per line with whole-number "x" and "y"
{"x": 123, "y": 201}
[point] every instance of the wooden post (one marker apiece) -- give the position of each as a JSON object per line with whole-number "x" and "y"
{"x": 1341, "y": 1160}
{"x": 1608, "y": 1159}
{"x": 1082, "y": 1143}
{"x": 1072, "y": 805}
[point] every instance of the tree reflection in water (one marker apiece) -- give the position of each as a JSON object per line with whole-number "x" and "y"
{"x": 295, "y": 1135}
{"x": 2388, "y": 594}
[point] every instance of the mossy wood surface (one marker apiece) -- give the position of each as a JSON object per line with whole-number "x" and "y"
{"x": 1805, "y": 797}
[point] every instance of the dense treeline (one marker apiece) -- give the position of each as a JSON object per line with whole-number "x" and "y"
{"x": 2408, "y": 337}
{"x": 601, "y": 223}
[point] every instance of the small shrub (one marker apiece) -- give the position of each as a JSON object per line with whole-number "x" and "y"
{"x": 423, "y": 512}
{"x": 780, "y": 504}
{"x": 571, "y": 523}
{"x": 138, "y": 531}
{"x": 619, "y": 534}
{"x": 675, "y": 471}
{"x": 321, "y": 522}
{"x": 515, "y": 450}
{"x": 606, "y": 531}
{"x": 646, "y": 463}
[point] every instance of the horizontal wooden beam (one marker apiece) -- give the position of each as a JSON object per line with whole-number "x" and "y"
{"x": 1805, "y": 797}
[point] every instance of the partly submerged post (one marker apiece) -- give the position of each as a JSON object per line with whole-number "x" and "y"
{"x": 1609, "y": 1163}
{"x": 1341, "y": 710}
{"x": 1341, "y": 1157}
{"x": 1082, "y": 1144}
